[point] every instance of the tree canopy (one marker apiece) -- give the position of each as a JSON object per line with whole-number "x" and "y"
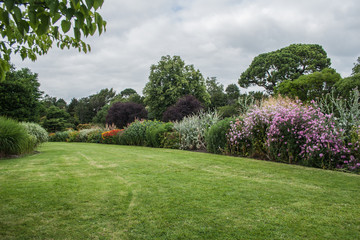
{"x": 20, "y": 95}
{"x": 309, "y": 87}
{"x": 269, "y": 69}
{"x": 30, "y": 27}
{"x": 170, "y": 80}
{"x": 217, "y": 94}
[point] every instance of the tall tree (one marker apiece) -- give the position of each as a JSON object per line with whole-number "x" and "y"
{"x": 216, "y": 91}
{"x": 170, "y": 80}
{"x": 87, "y": 108}
{"x": 30, "y": 27}
{"x": 269, "y": 69}
{"x": 232, "y": 93}
{"x": 20, "y": 95}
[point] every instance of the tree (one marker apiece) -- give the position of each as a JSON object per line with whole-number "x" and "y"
{"x": 309, "y": 87}
{"x": 20, "y": 95}
{"x": 170, "y": 80}
{"x": 356, "y": 68}
{"x": 185, "y": 106}
{"x": 216, "y": 91}
{"x": 127, "y": 92}
{"x": 269, "y": 69}
{"x": 122, "y": 114}
{"x": 30, "y": 27}
{"x": 87, "y": 108}
{"x": 56, "y": 119}
{"x": 232, "y": 93}
{"x": 344, "y": 86}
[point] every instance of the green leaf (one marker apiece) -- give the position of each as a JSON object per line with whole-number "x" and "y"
{"x": 56, "y": 18}
{"x": 9, "y": 4}
{"x": 99, "y": 22}
{"x": 65, "y": 25}
{"x": 5, "y": 17}
{"x": 17, "y": 14}
{"x": 98, "y": 3}
{"x": 44, "y": 25}
{"x": 77, "y": 33}
{"x": 32, "y": 16}
{"x": 69, "y": 13}
{"x": 54, "y": 6}
{"x": 89, "y": 3}
{"x": 56, "y": 32}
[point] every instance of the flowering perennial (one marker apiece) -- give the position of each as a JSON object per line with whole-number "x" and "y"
{"x": 289, "y": 131}
{"x": 109, "y": 136}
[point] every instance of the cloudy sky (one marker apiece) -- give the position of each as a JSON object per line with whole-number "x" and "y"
{"x": 219, "y": 37}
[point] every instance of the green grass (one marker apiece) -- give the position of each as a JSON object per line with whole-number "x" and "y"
{"x": 93, "y": 191}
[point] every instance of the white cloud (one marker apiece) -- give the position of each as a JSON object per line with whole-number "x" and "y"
{"x": 218, "y": 37}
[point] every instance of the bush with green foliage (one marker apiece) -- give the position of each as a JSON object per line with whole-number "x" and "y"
{"x": 94, "y": 136}
{"x": 135, "y": 133}
{"x": 192, "y": 129}
{"x": 229, "y": 110}
{"x": 215, "y": 137}
{"x": 60, "y": 136}
{"x": 155, "y": 134}
{"x": 309, "y": 87}
{"x": 14, "y": 138}
{"x": 39, "y": 133}
{"x": 344, "y": 86}
{"x": 171, "y": 140}
{"x": 345, "y": 110}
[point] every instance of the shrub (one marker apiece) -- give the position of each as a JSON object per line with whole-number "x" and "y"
{"x": 111, "y": 137}
{"x": 60, "y": 136}
{"x": 215, "y": 137}
{"x": 171, "y": 140}
{"x": 288, "y": 131}
{"x": 192, "y": 129}
{"x": 94, "y": 136}
{"x": 155, "y": 134}
{"x": 73, "y": 136}
{"x": 135, "y": 133}
{"x": 39, "y": 133}
{"x": 228, "y": 111}
{"x": 122, "y": 114}
{"x": 82, "y": 126}
{"x": 346, "y": 111}
{"x": 185, "y": 106}
{"x": 14, "y": 138}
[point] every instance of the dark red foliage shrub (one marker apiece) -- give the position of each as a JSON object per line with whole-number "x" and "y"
{"x": 185, "y": 106}
{"x": 122, "y": 114}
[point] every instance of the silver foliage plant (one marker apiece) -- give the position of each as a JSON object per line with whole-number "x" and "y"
{"x": 192, "y": 129}
{"x": 346, "y": 112}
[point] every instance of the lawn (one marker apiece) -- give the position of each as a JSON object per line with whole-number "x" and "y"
{"x": 94, "y": 191}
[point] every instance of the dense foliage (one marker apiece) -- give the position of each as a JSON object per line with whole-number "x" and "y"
{"x": 215, "y": 137}
{"x": 14, "y": 138}
{"x": 288, "y": 131}
{"x": 192, "y": 129}
{"x": 122, "y": 114}
{"x": 185, "y": 106}
{"x": 31, "y": 27}
{"x": 170, "y": 80}
{"x": 39, "y": 134}
{"x": 310, "y": 87}
{"x": 20, "y": 95}
{"x": 269, "y": 69}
